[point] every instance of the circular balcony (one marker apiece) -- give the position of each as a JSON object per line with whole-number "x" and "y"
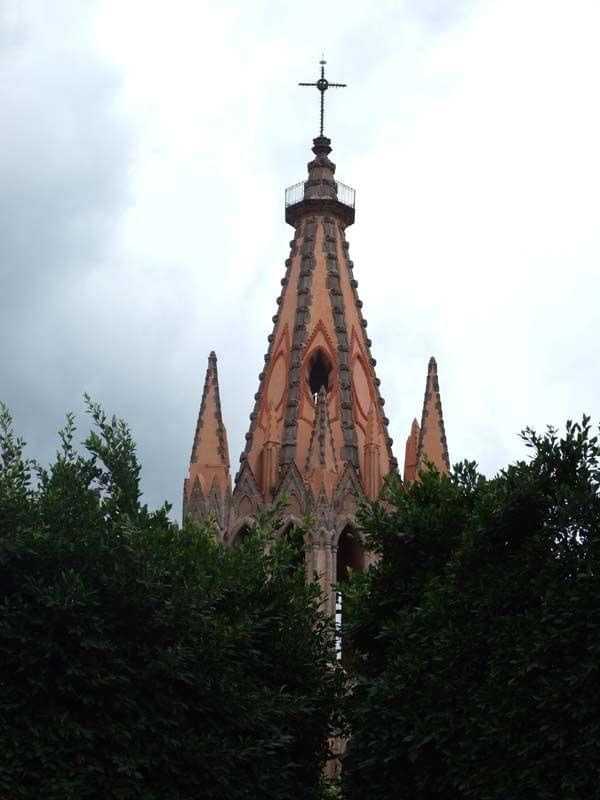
{"x": 319, "y": 197}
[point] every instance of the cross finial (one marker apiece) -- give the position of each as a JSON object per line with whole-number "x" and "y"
{"x": 322, "y": 85}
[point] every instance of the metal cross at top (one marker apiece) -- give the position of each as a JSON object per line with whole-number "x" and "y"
{"x": 322, "y": 85}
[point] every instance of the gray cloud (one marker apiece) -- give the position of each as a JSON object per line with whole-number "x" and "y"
{"x": 141, "y": 220}
{"x": 64, "y": 154}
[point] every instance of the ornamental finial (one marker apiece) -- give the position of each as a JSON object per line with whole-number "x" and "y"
{"x": 322, "y": 85}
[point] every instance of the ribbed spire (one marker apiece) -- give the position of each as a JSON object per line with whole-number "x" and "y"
{"x": 210, "y": 439}
{"x": 432, "y": 437}
{"x": 319, "y": 341}
{"x": 209, "y": 462}
{"x": 318, "y": 430}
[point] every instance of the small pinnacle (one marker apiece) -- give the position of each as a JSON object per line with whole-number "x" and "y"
{"x": 370, "y": 432}
{"x": 432, "y": 363}
{"x": 270, "y": 432}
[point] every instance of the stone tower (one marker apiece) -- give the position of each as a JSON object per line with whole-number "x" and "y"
{"x": 318, "y": 431}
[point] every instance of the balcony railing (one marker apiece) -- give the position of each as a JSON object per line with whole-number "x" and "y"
{"x": 322, "y": 190}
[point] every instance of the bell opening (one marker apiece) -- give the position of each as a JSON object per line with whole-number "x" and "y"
{"x": 319, "y": 373}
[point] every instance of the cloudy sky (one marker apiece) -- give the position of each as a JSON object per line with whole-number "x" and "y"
{"x": 144, "y": 151}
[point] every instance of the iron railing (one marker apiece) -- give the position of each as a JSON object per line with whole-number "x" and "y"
{"x": 321, "y": 190}
{"x": 294, "y": 194}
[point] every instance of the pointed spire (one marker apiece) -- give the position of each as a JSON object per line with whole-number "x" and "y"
{"x": 319, "y": 341}
{"x": 210, "y": 440}
{"x": 432, "y": 437}
{"x": 209, "y": 461}
{"x": 410, "y": 454}
{"x": 321, "y": 462}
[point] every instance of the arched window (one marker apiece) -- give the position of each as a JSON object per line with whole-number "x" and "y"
{"x": 319, "y": 373}
{"x": 350, "y": 556}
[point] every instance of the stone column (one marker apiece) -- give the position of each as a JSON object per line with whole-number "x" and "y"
{"x": 332, "y": 575}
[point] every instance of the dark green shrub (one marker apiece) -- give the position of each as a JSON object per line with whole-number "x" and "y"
{"x": 476, "y": 639}
{"x": 143, "y": 661}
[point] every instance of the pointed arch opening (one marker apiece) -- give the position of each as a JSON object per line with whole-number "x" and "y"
{"x": 319, "y": 373}
{"x": 240, "y": 531}
{"x": 350, "y": 557}
{"x": 243, "y": 533}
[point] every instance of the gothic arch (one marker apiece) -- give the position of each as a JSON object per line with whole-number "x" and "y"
{"x": 343, "y": 522}
{"x": 350, "y": 553}
{"x": 319, "y": 371}
{"x": 236, "y": 532}
{"x": 330, "y": 349}
{"x": 289, "y": 521}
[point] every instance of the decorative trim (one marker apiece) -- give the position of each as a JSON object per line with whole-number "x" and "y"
{"x": 292, "y": 482}
{"x": 348, "y": 484}
{"x": 321, "y": 427}
{"x": 367, "y": 346}
{"x": 350, "y": 447}
{"x": 287, "y": 452}
{"x": 246, "y": 485}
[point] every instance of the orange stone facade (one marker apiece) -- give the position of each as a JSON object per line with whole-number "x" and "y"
{"x": 318, "y": 431}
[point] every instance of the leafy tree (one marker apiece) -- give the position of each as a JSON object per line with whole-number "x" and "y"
{"x": 476, "y": 638}
{"x": 144, "y": 661}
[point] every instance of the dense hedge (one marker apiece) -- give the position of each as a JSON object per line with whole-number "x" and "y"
{"x": 476, "y": 639}
{"x": 143, "y": 661}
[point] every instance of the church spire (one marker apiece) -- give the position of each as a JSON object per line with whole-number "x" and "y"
{"x": 319, "y": 377}
{"x": 318, "y": 433}
{"x": 208, "y": 485}
{"x": 432, "y": 436}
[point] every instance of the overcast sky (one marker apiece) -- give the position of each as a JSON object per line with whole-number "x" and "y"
{"x": 144, "y": 151}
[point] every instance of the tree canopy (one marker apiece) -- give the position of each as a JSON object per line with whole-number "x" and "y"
{"x": 140, "y": 660}
{"x": 475, "y": 641}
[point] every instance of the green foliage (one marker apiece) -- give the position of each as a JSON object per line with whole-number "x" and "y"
{"x": 144, "y": 661}
{"x": 476, "y": 639}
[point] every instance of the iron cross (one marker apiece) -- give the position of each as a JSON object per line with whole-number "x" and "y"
{"x": 322, "y": 85}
